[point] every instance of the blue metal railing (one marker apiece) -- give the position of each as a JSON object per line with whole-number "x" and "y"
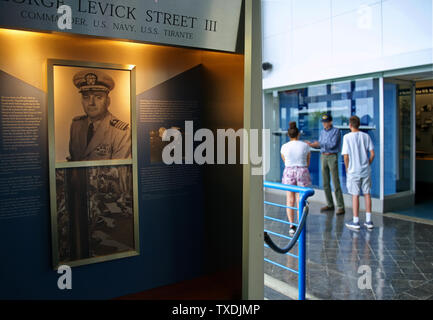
{"x": 299, "y": 236}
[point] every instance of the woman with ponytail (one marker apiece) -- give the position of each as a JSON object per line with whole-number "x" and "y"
{"x": 296, "y": 157}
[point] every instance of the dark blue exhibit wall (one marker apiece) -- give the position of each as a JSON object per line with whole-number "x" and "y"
{"x": 170, "y": 200}
{"x": 25, "y": 246}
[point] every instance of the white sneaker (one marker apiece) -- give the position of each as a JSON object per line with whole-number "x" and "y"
{"x": 353, "y": 225}
{"x": 292, "y": 231}
{"x": 369, "y": 224}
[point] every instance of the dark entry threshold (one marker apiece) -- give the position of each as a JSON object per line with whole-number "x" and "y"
{"x": 225, "y": 285}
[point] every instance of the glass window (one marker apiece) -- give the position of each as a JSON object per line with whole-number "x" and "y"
{"x": 341, "y": 99}
{"x": 363, "y": 84}
{"x": 294, "y": 114}
{"x": 341, "y": 87}
{"x": 365, "y": 110}
{"x": 341, "y": 111}
{"x": 283, "y": 114}
{"x": 398, "y": 137}
{"x": 318, "y": 90}
{"x": 310, "y": 115}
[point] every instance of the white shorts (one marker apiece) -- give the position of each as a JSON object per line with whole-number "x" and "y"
{"x": 356, "y": 184}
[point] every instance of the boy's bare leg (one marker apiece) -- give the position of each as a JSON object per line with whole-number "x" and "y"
{"x": 367, "y": 203}
{"x": 355, "y": 206}
{"x": 368, "y": 221}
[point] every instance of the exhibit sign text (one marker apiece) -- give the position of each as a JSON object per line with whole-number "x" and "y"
{"x": 207, "y": 24}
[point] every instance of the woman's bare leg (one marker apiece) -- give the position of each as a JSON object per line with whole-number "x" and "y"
{"x": 290, "y": 203}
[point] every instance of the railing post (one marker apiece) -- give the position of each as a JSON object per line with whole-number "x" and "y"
{"x": 301, "y": 256}
{"x": 304, "y": 194}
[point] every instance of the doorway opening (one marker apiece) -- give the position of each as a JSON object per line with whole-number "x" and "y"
{"x": 424, "y": 143}
{"x": 409, "y": 142}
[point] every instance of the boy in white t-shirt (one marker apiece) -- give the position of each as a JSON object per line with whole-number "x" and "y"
{"x": 356, "y": 147}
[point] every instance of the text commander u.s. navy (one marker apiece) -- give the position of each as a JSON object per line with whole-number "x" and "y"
{"x": 97, "y": 135}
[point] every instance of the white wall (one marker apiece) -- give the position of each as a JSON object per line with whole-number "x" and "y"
{"x": 312, "y": 40}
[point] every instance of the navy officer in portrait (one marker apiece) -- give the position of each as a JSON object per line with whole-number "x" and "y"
{"x": 97, "y": 135}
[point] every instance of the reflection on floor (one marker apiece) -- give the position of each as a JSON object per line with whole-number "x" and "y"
{"x": 422, "y": 210}
{"x": 398, "y": 252}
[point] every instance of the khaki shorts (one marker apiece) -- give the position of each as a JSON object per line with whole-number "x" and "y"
{"x": 357, "y": 184}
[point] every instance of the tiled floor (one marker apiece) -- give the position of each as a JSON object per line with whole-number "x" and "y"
{"x": 398, "y": 252}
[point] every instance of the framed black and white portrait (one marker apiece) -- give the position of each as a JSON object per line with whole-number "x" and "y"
{"x": 92, "y": 150}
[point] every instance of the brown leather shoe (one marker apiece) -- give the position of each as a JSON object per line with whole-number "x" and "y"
{"x": 326, "y": 208}
{"x": 340, "y": 211}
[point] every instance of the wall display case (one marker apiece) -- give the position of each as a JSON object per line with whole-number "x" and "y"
{"x": 85, "y": 203}
{"x": 136, "y": 221}
{"x": 424, "y": 122}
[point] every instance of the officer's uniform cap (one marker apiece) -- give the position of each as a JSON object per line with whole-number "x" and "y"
{"x": 326, "y": 118}
{"x": 93, "y": 80}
